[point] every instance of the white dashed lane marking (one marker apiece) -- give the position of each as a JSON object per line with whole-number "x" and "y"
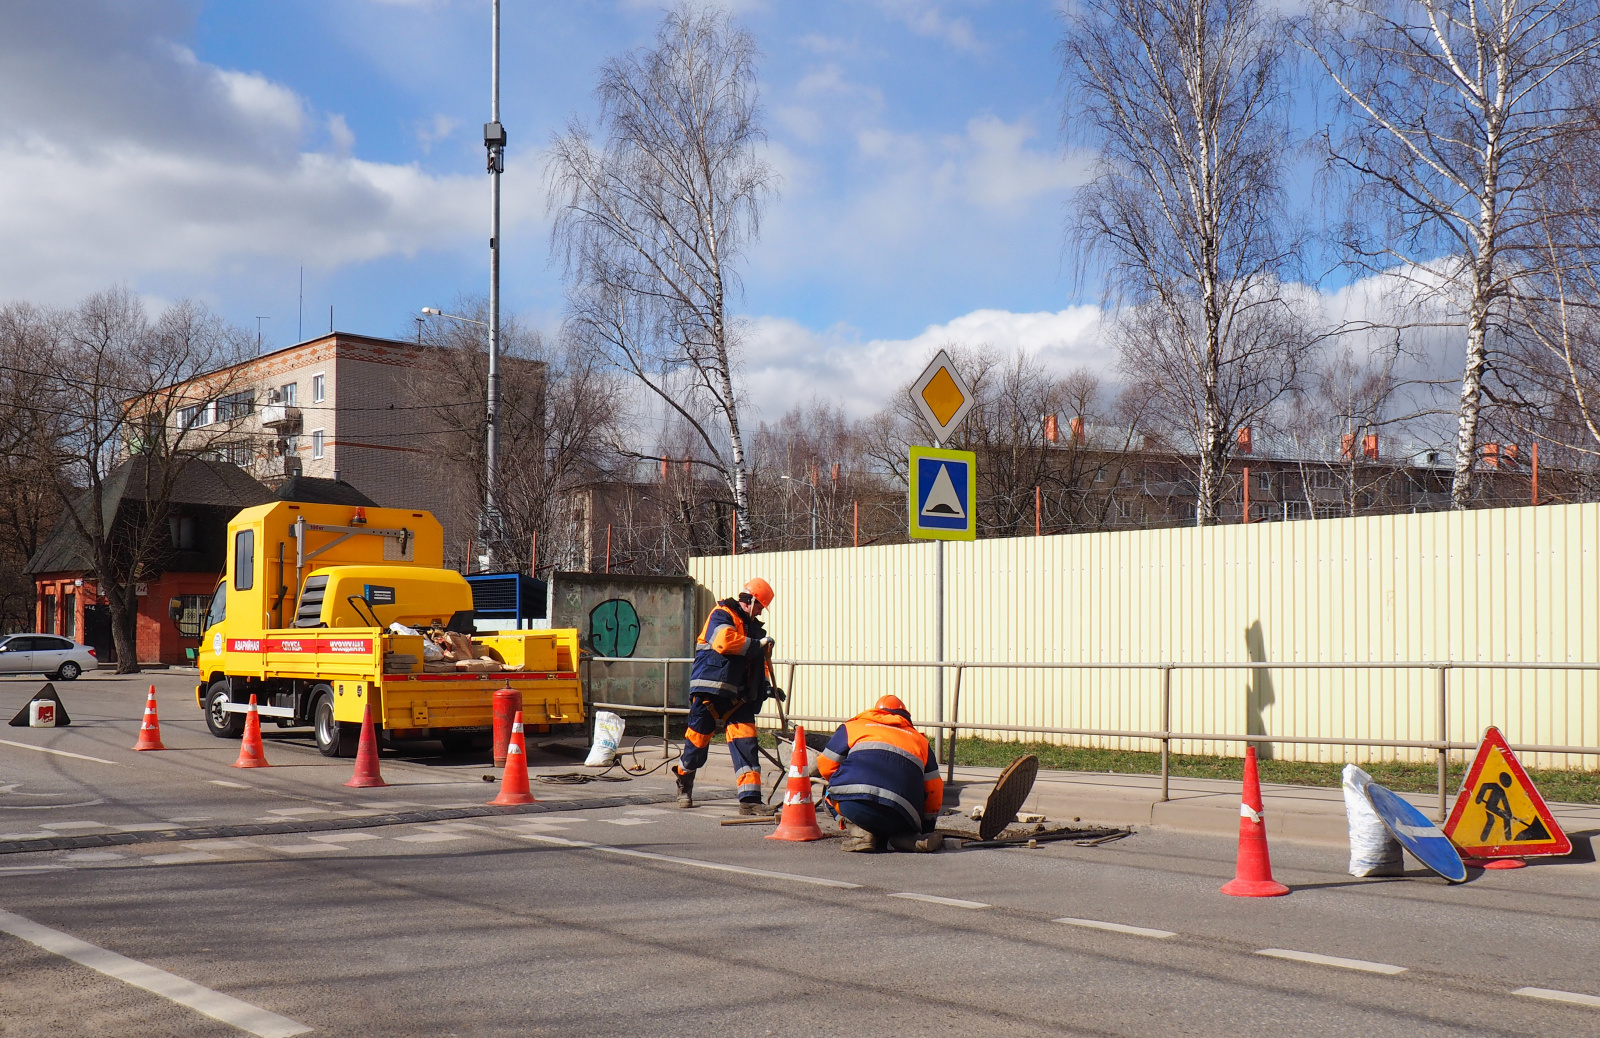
{"x": 58, "y": 753}
{"x": 252, "y": 1019}
{"x": 1553, "y": 995}
{"x": 934, "y": 899}
{"x": 716, "y": 866}
{"x": 1331, "y": 960}
{"x": 1137, "y": 931}
{"x": 228, "y": 785}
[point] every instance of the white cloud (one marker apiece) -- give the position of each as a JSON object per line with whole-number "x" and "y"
{"x": 149, "y": 161}
{"x": 786, "y": 363}
{"x": 434, "y": 130}
{"x": 928, "y": 19}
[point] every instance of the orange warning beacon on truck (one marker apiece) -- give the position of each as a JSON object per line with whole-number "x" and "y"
{"x": 327, "y": 609}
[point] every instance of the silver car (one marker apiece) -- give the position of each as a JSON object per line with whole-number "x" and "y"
{"x": 47, "y": 654}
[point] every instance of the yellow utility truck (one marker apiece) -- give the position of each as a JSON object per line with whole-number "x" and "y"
{"x": 325, "y": 610}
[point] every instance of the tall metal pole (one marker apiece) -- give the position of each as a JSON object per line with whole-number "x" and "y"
{"x": 938, "y": 635}
{"x": 494, "y": 139}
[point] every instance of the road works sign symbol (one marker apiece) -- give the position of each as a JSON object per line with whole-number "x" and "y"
{"x": 1498, "y": 813}
{"x": 941, "y": 394}
{"x": 944, "y": 486}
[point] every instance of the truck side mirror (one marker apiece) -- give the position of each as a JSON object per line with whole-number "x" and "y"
{"x": 175, "y": 609}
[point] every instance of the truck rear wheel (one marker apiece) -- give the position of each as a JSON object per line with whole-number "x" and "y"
{"x": 224, "y": 723}
{"x": 334, "y": 738}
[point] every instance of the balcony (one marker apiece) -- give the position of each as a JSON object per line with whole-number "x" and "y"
{"x": 280, "y": 467}
{"x": 282, "y": 417}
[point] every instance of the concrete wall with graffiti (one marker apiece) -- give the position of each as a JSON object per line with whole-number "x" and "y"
{"x": 631, "y": 616}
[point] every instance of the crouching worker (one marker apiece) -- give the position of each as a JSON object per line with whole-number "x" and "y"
{"x": 884, "y": 780}
{"x": 728, "y": 683}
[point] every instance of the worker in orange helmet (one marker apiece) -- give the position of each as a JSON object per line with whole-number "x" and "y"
{"x": 729, "y": 681}
{"x": 883, "y": 779}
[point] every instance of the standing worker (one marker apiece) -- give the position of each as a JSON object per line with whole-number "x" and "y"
{"x": 729, "y": 681}
{"x": 884, "y": 779}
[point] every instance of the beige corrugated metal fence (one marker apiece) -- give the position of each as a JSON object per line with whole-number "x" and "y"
{"x": 1517, "y": 585}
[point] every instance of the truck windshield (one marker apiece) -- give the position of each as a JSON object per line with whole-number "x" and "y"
{"x": 219, "y": 604}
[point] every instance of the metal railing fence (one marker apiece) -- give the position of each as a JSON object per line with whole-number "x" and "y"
{"x": 1441, "y": 743}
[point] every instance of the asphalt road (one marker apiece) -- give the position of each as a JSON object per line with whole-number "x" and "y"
{"x": 646, "y": 920}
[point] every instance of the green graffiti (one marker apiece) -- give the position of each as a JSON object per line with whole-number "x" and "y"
{"x": 614, "y": 628}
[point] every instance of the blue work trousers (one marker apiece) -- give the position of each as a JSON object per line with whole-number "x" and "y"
{"x": 705, "y": 713}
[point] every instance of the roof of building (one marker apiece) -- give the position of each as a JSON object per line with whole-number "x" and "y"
{"x": 200, "y": 482}
{"x": 314, "y": 491}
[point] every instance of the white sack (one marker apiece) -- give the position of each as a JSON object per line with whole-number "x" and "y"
{"x": 1373, "y": 849}
{"x": 607, "y": 737}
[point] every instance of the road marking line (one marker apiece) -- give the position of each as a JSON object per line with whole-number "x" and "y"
{"x": 257, "y": 1021}
{"x": 934, "y": 899}
{"x": 716, "y": 866}
{"x": 18, "y": 870}
{"x": 1137, "y": 931}
{"x": 1332, "y": 960}
{"x": 58, "y": 753}
{"x": 308, "y": 848}
{"x": 230, "y": 785}
{"x": 431, "y": 837}
{"x": 74, "y": 825}
{"x": 343, "y": 837}
{"x": 180, "y": 858}
{"x": 1559, "y": 996}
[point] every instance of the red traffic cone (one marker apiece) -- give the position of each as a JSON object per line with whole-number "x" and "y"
{"x": 251, "y": 752}
{"x": 150, "y": 727}
{"x": 514, "y": 784}
{"x": 366, "y": 775}
{"x": 799, "y": 821}
{"x": 1253, "y": 875}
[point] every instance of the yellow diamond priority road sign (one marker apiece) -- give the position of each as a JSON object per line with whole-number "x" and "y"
{"x": 942, "y": 395}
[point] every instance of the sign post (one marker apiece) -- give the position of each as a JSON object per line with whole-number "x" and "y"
{"x": 943, "y": 493}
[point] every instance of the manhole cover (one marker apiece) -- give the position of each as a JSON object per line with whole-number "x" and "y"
{"x": 1010, "y": 790}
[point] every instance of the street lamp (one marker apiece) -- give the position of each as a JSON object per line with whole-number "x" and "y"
{"x": 431, "y": 312}
{"x": 813, "y": 487}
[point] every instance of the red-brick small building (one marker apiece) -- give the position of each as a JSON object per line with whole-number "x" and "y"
{"x": 206, "y": 495}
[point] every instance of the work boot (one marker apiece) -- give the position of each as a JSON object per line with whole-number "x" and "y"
{"x": 859, "y": 840}
{"x": 685, "y": 786}
{"x": 918, "y": 843}
{"x": 757, "y": 809}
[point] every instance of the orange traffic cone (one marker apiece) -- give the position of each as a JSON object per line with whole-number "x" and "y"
{"x": 251, "y": 752}
{"x": 150, "y": 727}
{"x": 799, "y": 821}
{"x": 514, "y": 784}
{"x": 1253, "y": 875}
{"x": 366, "y": 775}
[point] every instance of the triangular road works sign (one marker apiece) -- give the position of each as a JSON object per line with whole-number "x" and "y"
{"x": 942, "y": 498}
{"x": 1498, "y": 813}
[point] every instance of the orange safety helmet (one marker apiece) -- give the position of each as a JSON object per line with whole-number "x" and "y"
{"x": 759, "y": 590}
{"x": 891, "y": 703}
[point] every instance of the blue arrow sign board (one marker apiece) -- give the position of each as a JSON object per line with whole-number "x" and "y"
{"x": 944, "y": 494}
{"x": 1426, "y": 842}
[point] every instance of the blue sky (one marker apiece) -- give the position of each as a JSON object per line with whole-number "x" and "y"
{"x": 209, "y": 149}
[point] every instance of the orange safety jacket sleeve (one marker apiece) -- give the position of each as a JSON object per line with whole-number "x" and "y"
{"x": 724, "y": 633}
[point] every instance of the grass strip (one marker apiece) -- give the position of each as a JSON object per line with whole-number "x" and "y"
{"x": 1573, "y": 787}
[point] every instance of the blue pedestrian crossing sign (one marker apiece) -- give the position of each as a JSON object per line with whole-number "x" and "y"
{"x": 944, "y": 494}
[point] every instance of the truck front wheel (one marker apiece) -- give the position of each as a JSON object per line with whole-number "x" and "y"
{"x": 334, "y": 738}
{"x": 224, "y": 723}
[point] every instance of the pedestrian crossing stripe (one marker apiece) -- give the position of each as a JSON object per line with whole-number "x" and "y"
{"x": 1498, "y": 812}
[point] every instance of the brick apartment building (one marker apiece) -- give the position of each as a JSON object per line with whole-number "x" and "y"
{"x": 356, "y": 408}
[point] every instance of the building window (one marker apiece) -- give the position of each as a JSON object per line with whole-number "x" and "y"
{"x": 244, "y": 560}
{"x": 289, "y": 394}
{"x": 1320, "y": 479}
{"x": 48, "y": 619}
{"x": 1264, "y": 483}
{"x": 180, "y": 531}
{"x": 69, "y": 615}
{"x": 319, "y": 388}
{"x": 1294, "y": 510}
{"x": 236, "y": 405}
{"x": 316, "y": 443}
{"x": 194, "y": 417}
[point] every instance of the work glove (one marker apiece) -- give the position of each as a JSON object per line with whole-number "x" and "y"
{"x": 777, "y": 693}
{"x": 766, "y": 644}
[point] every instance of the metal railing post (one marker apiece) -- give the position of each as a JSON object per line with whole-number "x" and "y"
{"x": 955, "y": 715}
{"x": 1441, "y": 733}
{"x": 1166, "y": 728}
{"x": 666, "y": 704}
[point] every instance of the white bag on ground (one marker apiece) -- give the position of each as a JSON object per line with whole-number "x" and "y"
{"x": 607, "y": 737}
{"x": 1373, "y": 849}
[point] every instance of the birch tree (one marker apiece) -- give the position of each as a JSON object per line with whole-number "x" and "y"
{"x": 653, "y": 218}
{"x": 1184, "y": 100}
{"x": 1454, "y": 108}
